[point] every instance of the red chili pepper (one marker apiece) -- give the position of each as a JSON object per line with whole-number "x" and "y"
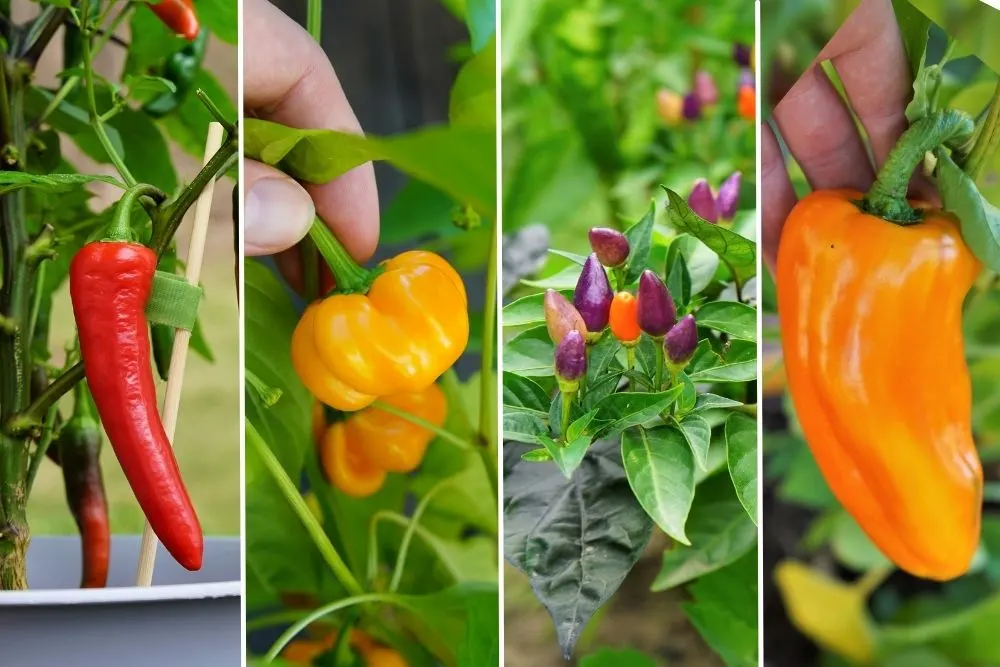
{"x": 179, "y": 16}
{"x": 79, "y": 450}
{"x": 110, "y": 283}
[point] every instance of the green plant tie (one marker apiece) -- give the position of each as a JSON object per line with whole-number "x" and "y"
{"x": 174, "y": 301}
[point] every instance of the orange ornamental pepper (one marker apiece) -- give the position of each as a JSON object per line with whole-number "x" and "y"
{"x": 411, "y": 326}
{"x": 746, "y": 102}
{"x": 624, "y": 318}
{"x": 870, "y": 314}
{"x": 393, "y": 443}
{"x": 384, "y": 657}
{"x": 345, "y": 467}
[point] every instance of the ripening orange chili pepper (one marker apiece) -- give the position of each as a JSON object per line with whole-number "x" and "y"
{"x": 746, "y": 102}
{"x": 384, "y": 657}
{"x": 345, "y": 467}
{"x": 871, "y": 328}
{"x": 624, "y": 318}
{"x": 390, "y": 442}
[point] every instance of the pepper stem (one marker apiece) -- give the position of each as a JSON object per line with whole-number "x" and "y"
{"x": 121, "y": 226}
{"x": 659, "y": 366}
{"x": 567, "y": 404}
{"x": 350, "y": 276}
{"x": 887, "y": 197}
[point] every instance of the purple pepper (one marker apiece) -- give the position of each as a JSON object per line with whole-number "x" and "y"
{"x": 560, "y": 316}
{"x": 729, "y": 194}
{"x": 692, "y": 107}
{"x": 746, "y": 78}
{"x": 702, "y": 201}
{"x": 681, "y": 341}
{"x": 741, "y": 54}
{"x": 593, "y": 295}
{"x": 705, "y": 88}
{"x": 657, "y": 312}
{"x": 571, "y": 357}
{"x": 610, "y": 246}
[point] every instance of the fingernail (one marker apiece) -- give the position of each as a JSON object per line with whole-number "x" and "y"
{"x": 278, "y": 215}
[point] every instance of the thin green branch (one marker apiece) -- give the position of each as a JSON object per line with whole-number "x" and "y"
{"x": 314, "y": 19}
{"x": 487, "y": 397}
{"x": 987, "y": 139}
{"x": 294, "y": 498}
{"x": 411, "y": 528}
{"x": 440, "y": 432}
{"x": 300, "y": 625}
{"x": 216, "y": 112}
{"x": 48, "y": 433}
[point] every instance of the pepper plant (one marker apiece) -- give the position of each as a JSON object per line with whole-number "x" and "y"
{"x": 843, "y": 584}
{"x": 48, "y": 212}
{"x": 371, "y": 449}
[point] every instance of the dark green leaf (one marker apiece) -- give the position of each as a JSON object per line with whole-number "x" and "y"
{"x": 528, "y": 310}
{"x": 980, "y": 219}
{"x": 698, "y": 434}
{"x": 724, "y": 611}
{"x": 742, "y": 371}
{"x": 530, "y": 353}
{"x": 678, "y": 278}
{"x": 640, "y": 239}
{"x": 15, "y": 180}
{"x": 523, "y": 392}
{"x": 736, "y": 319}
{"x": 625, "y": 409}
{"x": 567, "y": 456}
{"x": 577, "y": 539}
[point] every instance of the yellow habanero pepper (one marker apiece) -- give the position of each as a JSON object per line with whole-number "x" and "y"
{"x": 345, "y": 467}
{"x": 411, "y": 326}
{"x": 393, "y": 443}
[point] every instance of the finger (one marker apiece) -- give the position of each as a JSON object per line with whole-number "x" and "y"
{"x": 820, "y": 134}
{"x": 778, "y": 194}
{"x": 278, "y": 211}
{"x": 870, "y": 59}
{"x": 291, "y": 81}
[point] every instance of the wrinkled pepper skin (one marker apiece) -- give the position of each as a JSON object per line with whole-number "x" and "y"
{"x": 110, "y": 283}
{"x": 350, "y": 349}
{"x": 390, "y": 442}
{"x": 345, "y": 467}
{"x": 870, "y": 317}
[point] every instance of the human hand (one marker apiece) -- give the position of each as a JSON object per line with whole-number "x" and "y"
{"x": 288, "y": 79}
{"x": 868, "y": 54}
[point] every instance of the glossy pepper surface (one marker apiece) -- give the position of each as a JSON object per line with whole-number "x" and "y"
{"x": 179, "y": 16}
{"x": 344, "y": 465}
{"x": 78, "y": 451}
{"x": 411, "y": 326}
{"x": 871, "y": 329}
{"x": 624, "y": 318}
{"x": 391, "y": 442}
{"x": 110, "y": 283}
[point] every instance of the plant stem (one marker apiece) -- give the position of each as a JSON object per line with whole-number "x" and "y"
{"x": 95, "y": 120}
{"x": 314, "y": 19}
{"x": 41, "y": 31}
{"x": 411, "y": 528}
{"x": 216, "y": 112}
{"x": 121, "y": 225}
{"x": 43, "y": 445}
{"x": 349, "y": 275}
{"x": 987, "y": 139}
{"x": 440, "y": 432}
{"x": 659, "y": 366}
{"x": 887, "y": 197}
{"x": 487, "y": 396}
{"x": 300, "y": 625}
{"x": 566, "y": 405}
{"x": 291, "y": 493}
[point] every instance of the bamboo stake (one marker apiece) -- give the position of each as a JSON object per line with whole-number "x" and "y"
{"x": 182, "y": 340}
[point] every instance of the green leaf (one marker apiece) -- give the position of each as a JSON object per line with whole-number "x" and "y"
{"x": 523, "y": 392}
{"x": 524, "y": 425}
{"x": 567, "y": 456}
{"x": 529, "y": 310}
{"x": 537, "y": 455}
{"x": 741, "y": 452}
{"x": 565, "y": 280}
{"x": 640, "y": 239}
{"x": 460, "y": 161}
{"x": 473, "y": 97}
{"x": 915, "y": 28}
{"x": 980, "y": 219}
{"x": 720, "y": 532}
{"x": 724, "y": 611}
{"x": 678, "y": 277}
{"x": 416, "y": 212}
{"x": 660, "y": 468}
{"x": 698, "y": 434}
{"x": 577, "y": 539}
{"x": 625, "y": 409}
{"x": 732, "y": 317}
{"x": 742, "y": 371}
{"x": 852, "y": 547}
{"x": 188, "y": 123}
{"x": 221, "y": 17}
{"x": 480, "y": 17}
{"x": 714, "y": 402}
{"x": 54, "y": 183}
{"x": 737, "y": 252}
{"x": 530, "y": 353}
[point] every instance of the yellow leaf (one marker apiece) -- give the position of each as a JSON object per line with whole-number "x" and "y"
{"x": 829, "y": 612}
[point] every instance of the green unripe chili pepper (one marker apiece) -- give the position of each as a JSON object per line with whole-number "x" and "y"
{"x": 180, "y": 69}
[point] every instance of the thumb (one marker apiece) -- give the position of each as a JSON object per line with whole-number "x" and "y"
{"x": 278, "y": 211}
